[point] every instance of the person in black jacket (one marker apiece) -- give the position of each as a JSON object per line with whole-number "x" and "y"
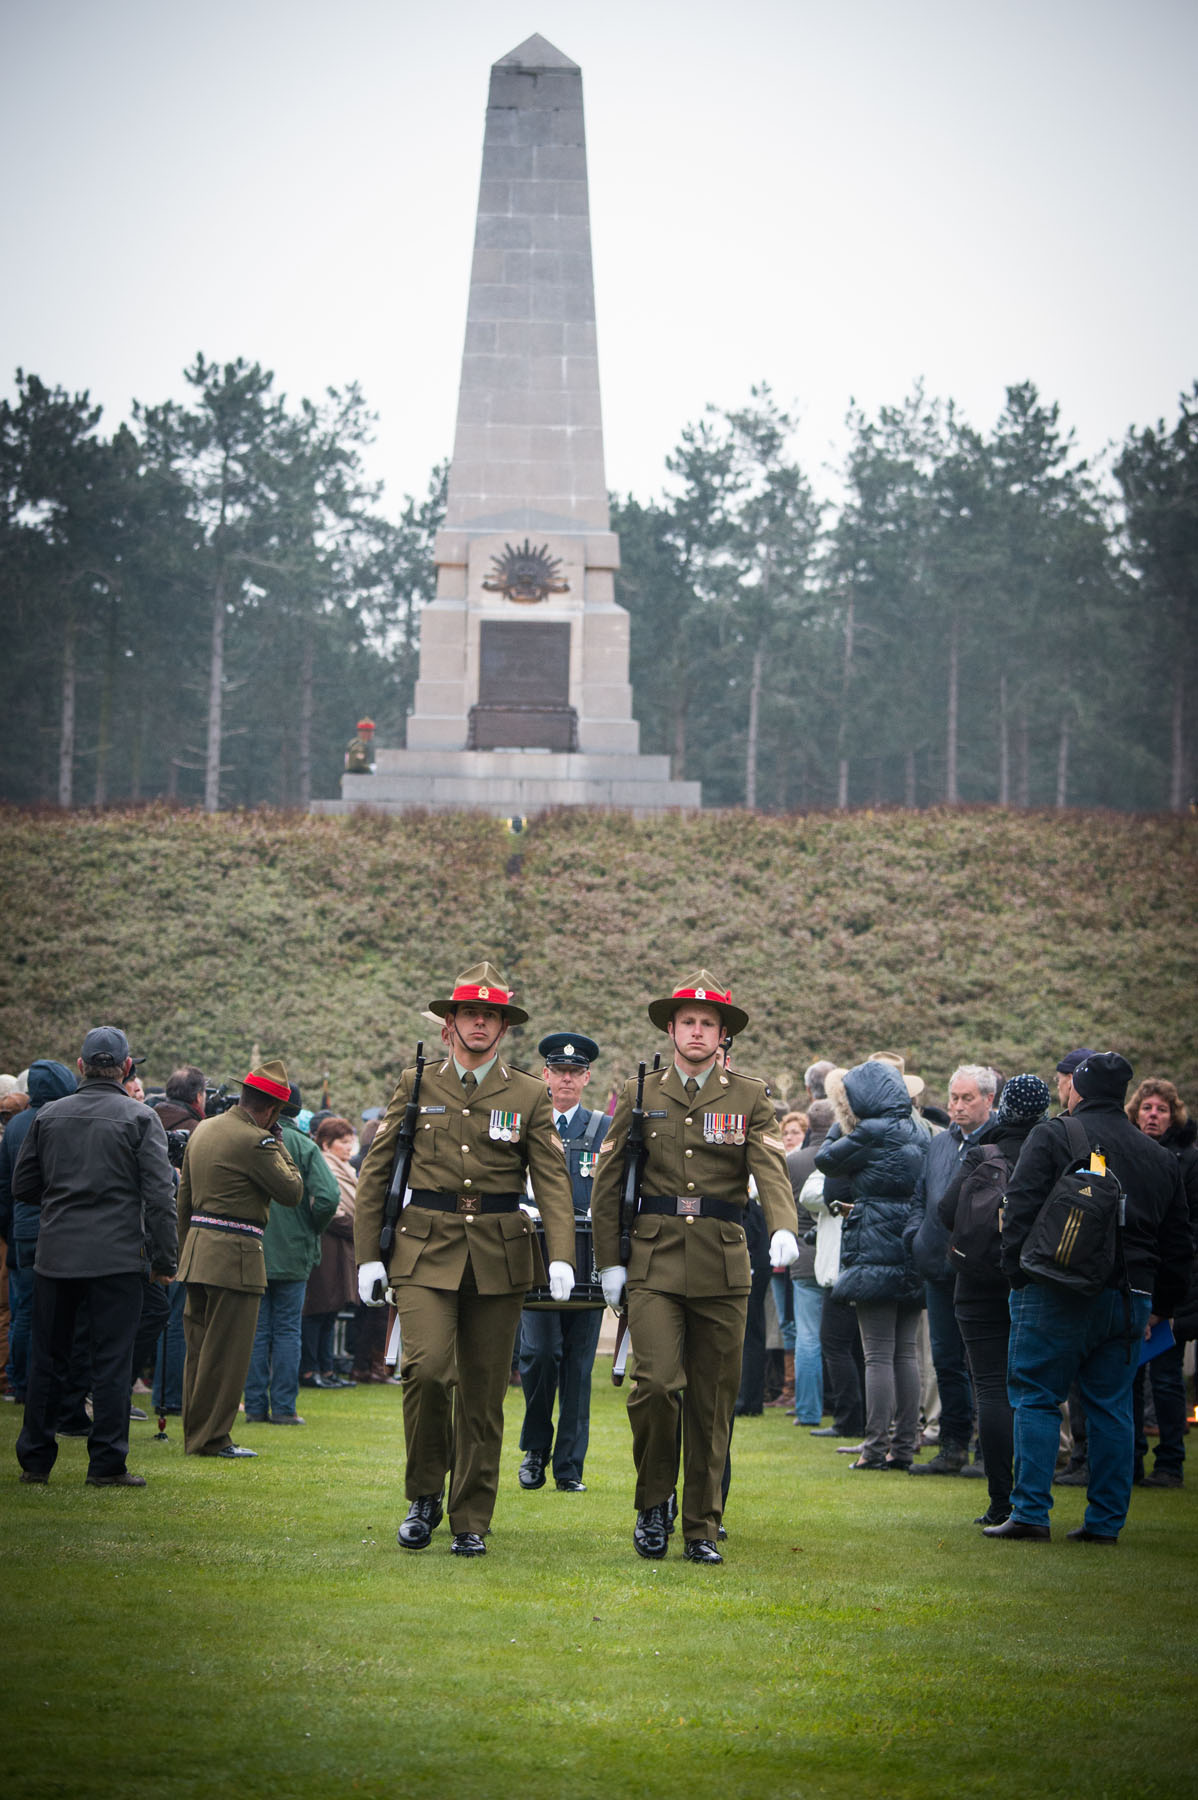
{"x": 1059, "y": 1335}
{"x": 96, "y": 1164}
{"x": 981, "y": 1296}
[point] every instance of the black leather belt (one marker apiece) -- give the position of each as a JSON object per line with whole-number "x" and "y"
{"x": 693, "y": 1206}
{"x": 465, "y": 1203}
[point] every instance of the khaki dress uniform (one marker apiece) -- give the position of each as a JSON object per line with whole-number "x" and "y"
{"x": 688, "y": 1275}
{"x": 232, "y": 1170}
{"x": 464, "y": 1256}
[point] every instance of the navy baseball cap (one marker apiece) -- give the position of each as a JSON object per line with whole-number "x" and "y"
{"x": 1074, "y": 1060}
{"x": 568, "y": 1050}
{"x": 105, "y": 1044}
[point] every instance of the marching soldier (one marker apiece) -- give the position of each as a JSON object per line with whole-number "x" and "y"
{"x": 234, "y": 1166}
{"x": 465, "y": 1253}
{"x": 359, "y": 752}
{"x": 687, "y": 1281}
{"x": 557, "y": 1348}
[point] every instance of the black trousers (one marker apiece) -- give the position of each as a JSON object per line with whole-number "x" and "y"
{"x": 751, "y": 1398}
{"x": 844, "y": 1366}
{"x": 984, "y": 1321}
{"x": 114, "y": 1312}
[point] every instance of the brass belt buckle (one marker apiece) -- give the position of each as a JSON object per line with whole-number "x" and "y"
{"x": 467, "y": 1203}
{"x": 689, "y": 1207}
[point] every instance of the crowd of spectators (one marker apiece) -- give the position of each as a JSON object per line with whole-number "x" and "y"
{"x": 887, "y": 1333}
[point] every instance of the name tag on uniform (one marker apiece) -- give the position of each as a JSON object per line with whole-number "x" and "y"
{"x": 505, "y": 1127}
{"x": 658, "y": 1113}
{"x": 723, "y": 1128}
{"x": 425, "y": 1109}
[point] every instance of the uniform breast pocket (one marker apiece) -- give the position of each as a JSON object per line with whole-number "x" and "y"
{"x": 736, "y": 1256}
{"x": 644, "y": 1242}
{"x": 410, "y": 1240}
{"x": 517, "y": 1247}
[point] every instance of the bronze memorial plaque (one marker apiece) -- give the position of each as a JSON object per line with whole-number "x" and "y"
{"x": 523, "y": 687}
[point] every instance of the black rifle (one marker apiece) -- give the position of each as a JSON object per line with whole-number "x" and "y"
{"x": 634, "y": 1163}
{"x": 404, "y": 1145}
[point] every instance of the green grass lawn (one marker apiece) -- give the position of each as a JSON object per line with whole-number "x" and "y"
{"x": 252, "y": 1629}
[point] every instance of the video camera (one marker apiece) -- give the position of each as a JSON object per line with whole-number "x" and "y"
{"x": 176, "y": 1145}
{"x": 219, "y": 1100}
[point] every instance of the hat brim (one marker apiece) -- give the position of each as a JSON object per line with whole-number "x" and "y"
{"x": 662, "y": 1011}
{"x": 515, "y": 1015}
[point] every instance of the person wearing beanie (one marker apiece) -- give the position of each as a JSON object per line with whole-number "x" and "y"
{"x": 1059, "y": 1335}
{"x": 981, "y": 1295}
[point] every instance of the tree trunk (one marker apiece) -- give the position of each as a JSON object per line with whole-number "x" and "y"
{"x": 1004, "y": 744}
{"x": 754, "y": 721}
{"x": 66, "y": 736}
{"x": 1023, "y": 762}
{"x": 909, "y": 789}
{"x": 1062, "y": 762}
{"x": 216, "y": 678}
{"x": 104, "y": 727}
{"x": 1177, "y": 736}
{"x": 304, "y": 746}
{"x": 951, "y": 795}
{"x": 842, "y": 730}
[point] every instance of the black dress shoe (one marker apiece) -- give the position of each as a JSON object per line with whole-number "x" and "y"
{"x": 993, "y": 1515}
{"x": 124, "y": 1479}
{"x": 701, "y": 1550}
{"x": 33, "y": 1478}
{"x": 467, "y": 1543}
{"x": 1015, "y": 1528}
{"x": 284, "y": 1419}
{"x": 231, "y": 1452}
{"x": 824, "y": 1431}
{"x": 650, "y": 1534}
{"x": 1082, "y": 1536}
{"x": 424, "y": 1516}
{"x": 254, "y": 1418}
{"x": 531, "y": 1473}
{"x": 571, "y": 1486}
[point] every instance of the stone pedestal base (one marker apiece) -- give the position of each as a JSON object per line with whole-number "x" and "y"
{"x": 510, "y": 782}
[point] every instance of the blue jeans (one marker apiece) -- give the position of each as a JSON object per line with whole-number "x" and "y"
{"x": 952, "y": 1364}
{"x": 21, "y": 1252}
{"x": 1058, "y": 1337}
{"x": 778, "y": 1284}
{"x": 273, "y": 1381}
{"x": 809, "y": 1356}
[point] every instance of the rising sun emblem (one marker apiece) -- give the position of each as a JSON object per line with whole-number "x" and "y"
{"x": 525, "y": 574}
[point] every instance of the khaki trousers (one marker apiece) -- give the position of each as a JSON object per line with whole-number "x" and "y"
{"x": 687, "y": 1362}
{"x": 456, "y": 1361}
{"x": 218, "y": 1332}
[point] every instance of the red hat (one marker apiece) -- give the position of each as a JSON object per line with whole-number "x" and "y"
{"x": 364, "y": 725}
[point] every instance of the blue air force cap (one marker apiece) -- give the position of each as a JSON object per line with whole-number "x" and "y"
{"x": 568, "y": 1050}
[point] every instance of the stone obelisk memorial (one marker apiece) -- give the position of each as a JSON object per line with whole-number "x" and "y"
{"x": 523, "y": 699}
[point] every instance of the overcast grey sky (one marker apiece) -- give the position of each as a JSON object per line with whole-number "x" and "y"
{"x": 838, "y": 196}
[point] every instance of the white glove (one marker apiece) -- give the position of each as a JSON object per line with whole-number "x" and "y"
{"x": 370, "y": 1275}
{"x": 561, "y": 1282}
{"x": 612, "y": 1282}
{"x": 784, "y": 1250}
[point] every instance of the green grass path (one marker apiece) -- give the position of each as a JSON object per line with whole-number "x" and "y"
{"x": 253, "y": 1630}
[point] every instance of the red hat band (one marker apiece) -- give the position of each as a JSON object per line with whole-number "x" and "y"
{"x": 278, "y": 1090}
{"x": 490, "y": 996}
{"x": 712, "y": 995}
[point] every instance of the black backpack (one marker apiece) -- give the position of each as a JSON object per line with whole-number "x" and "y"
{"x": 975, "y": 1247}
{"x": 1075, "y": 1241}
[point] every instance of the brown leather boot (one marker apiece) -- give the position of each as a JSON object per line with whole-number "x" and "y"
{"x": 787, "y": 1396}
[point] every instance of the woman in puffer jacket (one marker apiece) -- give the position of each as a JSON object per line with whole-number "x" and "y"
{"x": 880, "y": 1158}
